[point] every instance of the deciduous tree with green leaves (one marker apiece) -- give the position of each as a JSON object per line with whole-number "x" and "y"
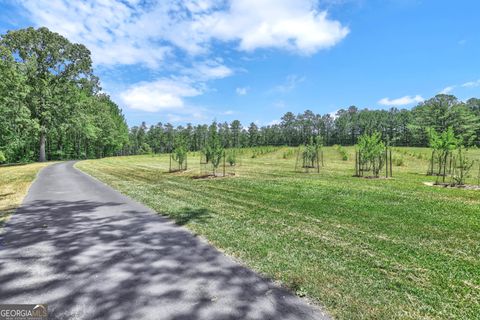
{"x": 17, "y": 126}
{"x": 50, "y": 62}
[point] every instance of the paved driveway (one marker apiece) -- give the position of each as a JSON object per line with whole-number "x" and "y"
{"x": 91, "y": 253}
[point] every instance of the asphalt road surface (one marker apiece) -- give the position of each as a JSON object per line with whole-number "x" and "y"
{"x": 91, "y": 253}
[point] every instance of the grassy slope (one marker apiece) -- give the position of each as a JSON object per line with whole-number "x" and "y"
{"x": 366, "y": 249}
{"x": 14, "y": 184}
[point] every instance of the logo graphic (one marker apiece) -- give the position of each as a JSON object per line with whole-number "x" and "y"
{"x": 23, "y": 312}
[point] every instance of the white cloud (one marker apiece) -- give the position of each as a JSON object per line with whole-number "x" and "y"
{"x": 168, "y": 93}
{"x": 161, "y": 95}
{"x": 134, "y": 32}
{"x": 471, "y": 84}
{"x": 333, "y": 114}
{"x": 208, "y": 70}
{"x": 242, "y": 91}
{"x": 273, "y": 122}
{"x": 447, "y": 90}
{"x": 115, "y": 32}
{"x": 406, "y": 100}
{"x": 293, "y": 25}
{"x": 228, "y": 113}
{"x": 182, "y": 35}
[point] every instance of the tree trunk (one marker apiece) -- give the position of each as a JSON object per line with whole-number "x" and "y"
{"x": 42, "y": 157}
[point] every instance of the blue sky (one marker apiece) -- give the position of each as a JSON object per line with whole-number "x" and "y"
{"x": 253, "y": 60}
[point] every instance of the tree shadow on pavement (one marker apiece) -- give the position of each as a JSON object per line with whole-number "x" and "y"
{"x": 103, "y": 260}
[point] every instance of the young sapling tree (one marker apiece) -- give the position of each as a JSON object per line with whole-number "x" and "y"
{"x": 179, "y": 154}
{"x": 371, "y": 150}
{"x": 461, "y": 168}
{"x": 442, "y": 144}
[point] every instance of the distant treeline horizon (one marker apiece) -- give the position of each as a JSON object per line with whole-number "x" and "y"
{"x": 52, "y": 108}
{"x": 399, "y": 127}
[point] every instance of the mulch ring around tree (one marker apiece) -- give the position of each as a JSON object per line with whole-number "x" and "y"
{"x": 373, "y": 177}
{"x": 212, "y": 176}
{"x": 449, "y": 185}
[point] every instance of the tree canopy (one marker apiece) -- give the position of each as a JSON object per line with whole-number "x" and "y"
{"x": 50, "y": 106}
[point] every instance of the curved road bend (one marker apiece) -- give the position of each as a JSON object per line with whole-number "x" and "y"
{"x": 91, "y": 253}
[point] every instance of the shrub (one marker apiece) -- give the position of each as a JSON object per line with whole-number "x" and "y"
{"x": 232, "y": 158}
{"x": 342, "y": 151}
{"x": 288, "y": 154}
{"x": 399, "y": 162}
{"x": 145, "y": 149}
{"x": 2, "y": 157}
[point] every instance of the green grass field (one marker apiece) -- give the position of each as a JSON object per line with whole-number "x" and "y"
{"x": 362, "y": 248}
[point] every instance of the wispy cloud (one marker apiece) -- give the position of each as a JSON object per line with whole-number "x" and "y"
{"x": 208, "y": 70}
{"x": 471, "y": 84}
{"x": 241, "y": 91}
{"x": 447, "y": 90}
{"x": 290, "y": 83}
{"x": 403, "y": 101}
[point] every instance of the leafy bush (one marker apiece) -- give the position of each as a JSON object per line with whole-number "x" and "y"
{"x": 145, "y": 149}
{"x": 342, "y": 151}
{"x": 260, "y": 151}
{"x": 288, "y": 154}
{"x": 2, "y": 157}
{"x": 232, "y": 158}
{"x": 399, "y": 162}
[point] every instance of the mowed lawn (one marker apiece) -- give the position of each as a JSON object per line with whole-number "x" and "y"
{"x": 362, "y": 248}
{"x": 14, "y": 184}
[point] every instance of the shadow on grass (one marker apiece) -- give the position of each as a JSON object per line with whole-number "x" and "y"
{"x": 2, "y": 196}
{"x": 3, "y": 218}
{"x": 186, "y": 215}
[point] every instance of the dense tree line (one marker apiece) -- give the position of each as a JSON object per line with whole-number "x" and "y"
{"x": 50, "y": 105}
{"x": 397, "y": 127}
